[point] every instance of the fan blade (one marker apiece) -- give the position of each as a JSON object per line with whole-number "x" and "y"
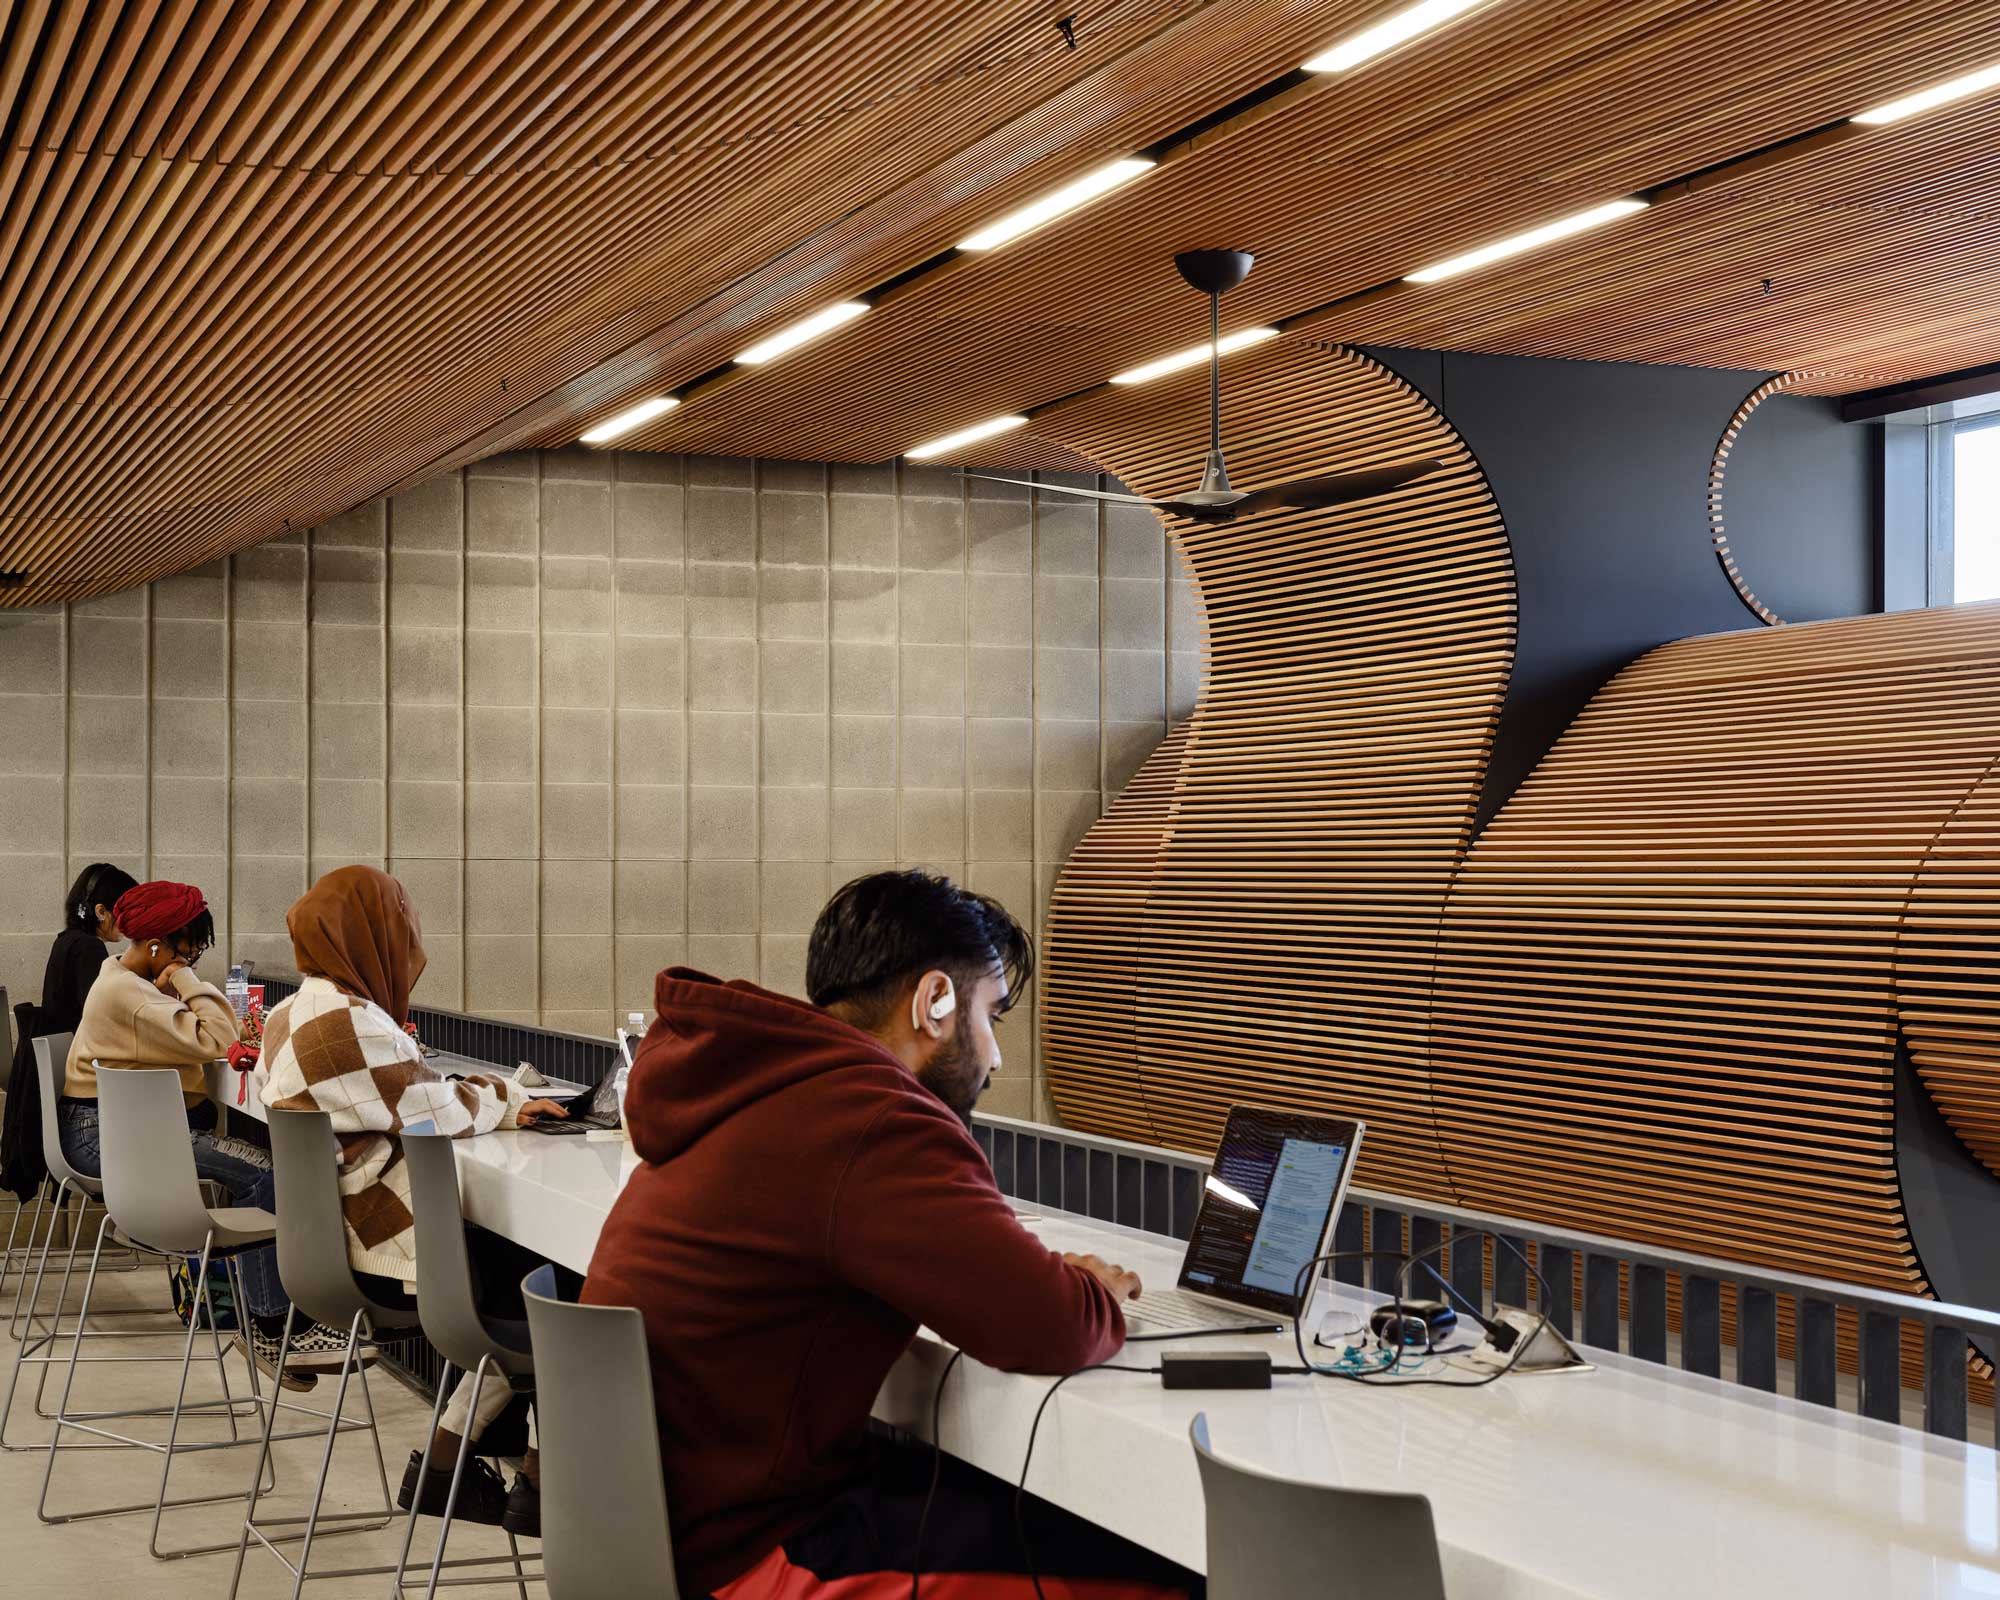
{"x": 1312, "y": 494}
{"x": 1063, "y": 488}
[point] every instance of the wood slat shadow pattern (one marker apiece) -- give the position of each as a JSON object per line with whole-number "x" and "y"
{"x": 1256, "y": 917}
{"x": 1672, "y": 967}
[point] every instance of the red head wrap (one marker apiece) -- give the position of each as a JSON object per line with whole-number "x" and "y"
{"x": 154, "y": 910}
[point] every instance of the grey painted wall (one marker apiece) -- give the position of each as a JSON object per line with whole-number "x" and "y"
{"x": 602, "y": 712}
{"x": 1601, "y": 469}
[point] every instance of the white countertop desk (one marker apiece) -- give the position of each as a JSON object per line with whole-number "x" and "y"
{"x": 1636, "y": 1481}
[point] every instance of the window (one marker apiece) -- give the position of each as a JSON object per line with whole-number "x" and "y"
{"x": 1969, "y": 518}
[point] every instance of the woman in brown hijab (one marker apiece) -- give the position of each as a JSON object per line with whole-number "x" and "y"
{"x": 339, "y": 1045}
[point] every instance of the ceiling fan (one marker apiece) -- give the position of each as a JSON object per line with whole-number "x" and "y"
{"x": 1214, "y": 273}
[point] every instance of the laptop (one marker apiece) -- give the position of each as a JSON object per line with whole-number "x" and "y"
{"x": 602, "y": 1110}
{"x": 1268, "y": 1207}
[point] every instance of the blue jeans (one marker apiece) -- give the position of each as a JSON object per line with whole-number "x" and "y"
{"x": 241, "y": 1168}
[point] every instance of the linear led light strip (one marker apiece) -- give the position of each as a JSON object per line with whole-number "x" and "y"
{"x": 965, "y": 436}
{"x": 1547, "y": 233}
{"x": 1937, "y": 95}
{"x": 1056, "y": 202}
{"x": 804, "y": 331}
{"x": 632, "y": 417}
{"x": 1195, "y": 355}
{"x": 1388, "y": 33}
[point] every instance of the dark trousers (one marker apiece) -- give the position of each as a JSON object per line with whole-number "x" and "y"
{"x": 865, "y": 1543}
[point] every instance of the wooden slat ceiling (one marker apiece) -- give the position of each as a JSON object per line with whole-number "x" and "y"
{"x": 262, "y": 260}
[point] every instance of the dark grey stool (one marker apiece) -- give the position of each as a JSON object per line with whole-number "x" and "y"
{"x": 605, "y": 1534}
{"x": 465, "y": 1336}
{"x": 1272, "y": 1539}
{"x": 313, "y": 1266}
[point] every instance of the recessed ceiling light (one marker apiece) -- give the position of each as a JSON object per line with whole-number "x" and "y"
{"x": 1388, "y": 33}
{"x": 1547, "y": 233}
{"x": 1193, "y": 357}
{"x": 1052, "y": 205}
{"x": 1941, "y": 94}
{"x": 802, "y": 332}
{"x": 964, "y": 436}
{"x": 627, "y": 420}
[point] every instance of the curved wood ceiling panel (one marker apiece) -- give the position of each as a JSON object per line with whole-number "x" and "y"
{"x": 1256, "y": 917}
{"x": 1667, "y": 988}
{"x": 260, "y": 261}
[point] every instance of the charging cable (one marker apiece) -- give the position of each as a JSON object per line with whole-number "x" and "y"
{"x": 1027, "y": 1459}
{"x": 937, "y": 1471}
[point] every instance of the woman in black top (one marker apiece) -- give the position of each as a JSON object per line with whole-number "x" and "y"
{"x": 78, "y": 954}
{"x": 75, "y": 960}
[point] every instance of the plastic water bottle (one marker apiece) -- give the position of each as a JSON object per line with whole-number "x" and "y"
{"x": 238, "y": 991}
{"x": 635, "y": 1027}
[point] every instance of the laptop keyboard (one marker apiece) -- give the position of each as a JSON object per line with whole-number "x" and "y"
{"x": 1176, "y": 1311}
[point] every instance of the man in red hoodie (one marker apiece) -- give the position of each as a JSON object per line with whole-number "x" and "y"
{"x": 810, "y": 1193}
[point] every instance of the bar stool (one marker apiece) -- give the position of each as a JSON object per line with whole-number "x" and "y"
{"x": 18, "y": 1258}
{"x": 313, "y": 1266}
{"x": 605, "y": 1533}
{"x": 153, "y": 1195}
{"x": 1272, "y": 1539}
{"x": 466, "y": 1337}
{"x": 64, "y": 1183}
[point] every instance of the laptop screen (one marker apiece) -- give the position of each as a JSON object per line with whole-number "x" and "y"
{"x": 1268, "y": 1206}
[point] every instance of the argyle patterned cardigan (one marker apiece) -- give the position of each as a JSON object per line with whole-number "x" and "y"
{"x": 325, "y": 1050}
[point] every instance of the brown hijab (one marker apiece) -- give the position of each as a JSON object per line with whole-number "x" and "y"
{"x": 356, "y": 927}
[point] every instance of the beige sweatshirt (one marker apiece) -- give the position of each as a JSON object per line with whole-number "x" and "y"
{"x": 128, "y": 1022}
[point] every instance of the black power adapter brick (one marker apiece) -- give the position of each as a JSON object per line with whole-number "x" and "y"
{"x": 1215, "y": 1369}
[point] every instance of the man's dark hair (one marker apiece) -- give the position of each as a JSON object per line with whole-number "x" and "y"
{"x": 99, "y": 884}
{"x": 881, "y": 932}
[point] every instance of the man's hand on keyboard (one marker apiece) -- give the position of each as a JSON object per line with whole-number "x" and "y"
{"x": 1122, "y": 1284}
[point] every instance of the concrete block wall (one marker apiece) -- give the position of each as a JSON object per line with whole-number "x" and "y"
{"x": 603, "y": 712}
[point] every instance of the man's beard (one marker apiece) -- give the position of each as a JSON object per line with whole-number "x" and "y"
{"x": 953, "y": 1076}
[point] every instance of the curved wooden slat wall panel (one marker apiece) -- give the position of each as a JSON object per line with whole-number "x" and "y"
{"x": 1667, "y": 999}
{"x": 1256, "y": 917}
{"x": 1948, "y": 971}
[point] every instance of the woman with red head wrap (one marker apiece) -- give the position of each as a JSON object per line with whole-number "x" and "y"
{"x": 148, "y": 1008}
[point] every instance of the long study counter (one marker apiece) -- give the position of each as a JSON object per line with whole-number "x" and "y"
{"x": 1631, "y": 1482}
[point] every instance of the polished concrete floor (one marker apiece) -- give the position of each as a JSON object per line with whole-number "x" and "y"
{"x": 108, "y": 1557}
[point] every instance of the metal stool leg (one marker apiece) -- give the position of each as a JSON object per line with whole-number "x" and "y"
{"x": 336, "y": 1424}
{"x": 28, "y": 1342}
{"x": 326, "y": 1457}
{"x": 423, "y": 1466}
{"x": 26, "y": 1251}
{"x": 263, "y": 1456}
{"x": 83, "y": 1422}
{"x": 457, "y": 1477}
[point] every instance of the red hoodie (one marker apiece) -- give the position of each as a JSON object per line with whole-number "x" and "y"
{"x": 803, "y": 1205}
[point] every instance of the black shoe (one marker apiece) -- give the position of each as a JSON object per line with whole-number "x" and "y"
{"x": 482, "y": 1497}
{"x": 523, "y": 1515}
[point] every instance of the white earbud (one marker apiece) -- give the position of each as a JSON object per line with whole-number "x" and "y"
{"x": 945, "y": 1004}
{"x": 154, "y": 949}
